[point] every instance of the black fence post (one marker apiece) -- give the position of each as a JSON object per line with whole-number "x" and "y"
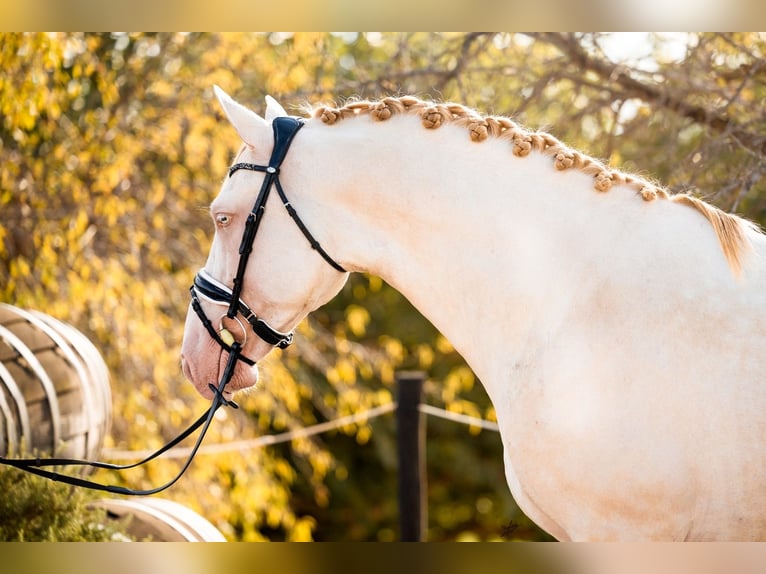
{"x": 411, "y": 440}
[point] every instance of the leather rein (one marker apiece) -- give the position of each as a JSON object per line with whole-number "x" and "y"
{"x": 207, "y": 287}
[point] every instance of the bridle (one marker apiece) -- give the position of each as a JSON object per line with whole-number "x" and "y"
{"x": 207, "y": 287}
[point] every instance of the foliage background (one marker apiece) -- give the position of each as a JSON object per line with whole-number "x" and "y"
{"x": 111, "y": 147}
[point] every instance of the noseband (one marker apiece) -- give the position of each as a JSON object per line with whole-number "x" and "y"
{"x": 207, "y": 287}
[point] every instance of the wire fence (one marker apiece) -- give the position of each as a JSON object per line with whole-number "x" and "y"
{"x": 267, "y": 440}
{"x": 459, "y": 418}
{"x": 411, "y": 415}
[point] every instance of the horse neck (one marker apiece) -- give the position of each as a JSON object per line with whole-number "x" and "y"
{"x": 461, "y": 229}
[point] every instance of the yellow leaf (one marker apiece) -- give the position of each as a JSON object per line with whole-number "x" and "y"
{"x": 302, "y": 532}
{"x": 357, "y": 318}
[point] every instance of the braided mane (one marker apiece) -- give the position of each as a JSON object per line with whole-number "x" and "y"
{"x": 730, "y": 229}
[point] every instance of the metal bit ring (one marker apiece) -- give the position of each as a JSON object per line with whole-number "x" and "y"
{"x": 226, "y": 335}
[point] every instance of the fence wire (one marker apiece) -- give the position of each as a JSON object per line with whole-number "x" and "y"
{"x": 267, "y": 440}
{"x": 458, "y": 418}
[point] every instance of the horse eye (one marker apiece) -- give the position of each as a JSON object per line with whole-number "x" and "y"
{"x": 222, "y": 219}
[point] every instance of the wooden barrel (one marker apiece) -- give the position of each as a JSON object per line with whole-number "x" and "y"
{"x": 54, "y": 388}
{"x": 160, "y": 520}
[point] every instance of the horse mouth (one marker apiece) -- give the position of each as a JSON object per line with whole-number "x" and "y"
{"x": 244, "y": 377}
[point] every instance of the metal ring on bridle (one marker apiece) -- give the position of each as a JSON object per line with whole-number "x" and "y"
{"x": 226, "y": 335}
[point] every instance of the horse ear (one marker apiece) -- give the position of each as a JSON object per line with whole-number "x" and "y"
{"x": 273, "y": 109}
{"x": 248, "y": 124}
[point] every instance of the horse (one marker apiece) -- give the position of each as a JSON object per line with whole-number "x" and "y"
{"x": 617, "y": 328}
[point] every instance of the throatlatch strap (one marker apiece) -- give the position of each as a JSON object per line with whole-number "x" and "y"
{"x": 306, "y": 233}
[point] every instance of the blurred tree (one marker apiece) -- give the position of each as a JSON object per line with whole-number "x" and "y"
{"x": 111, "y": 148}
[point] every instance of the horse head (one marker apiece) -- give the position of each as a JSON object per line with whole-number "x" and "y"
{"x": 262, "y": 276}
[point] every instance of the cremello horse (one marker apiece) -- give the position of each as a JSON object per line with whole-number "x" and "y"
{"x": 620, "y": 332}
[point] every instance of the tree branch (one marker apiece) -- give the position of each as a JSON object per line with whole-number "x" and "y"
{"x": 651, "y": 93}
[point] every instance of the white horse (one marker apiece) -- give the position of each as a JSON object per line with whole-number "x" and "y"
{"x": 620, "y": 332}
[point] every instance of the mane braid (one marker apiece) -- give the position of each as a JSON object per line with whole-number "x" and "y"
{"x": 730, "y": 229}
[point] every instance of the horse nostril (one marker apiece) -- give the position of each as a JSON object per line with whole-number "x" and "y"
{"x": 186, "y": 369}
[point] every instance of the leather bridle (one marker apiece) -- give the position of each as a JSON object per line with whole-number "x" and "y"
{"x": 207, "y": 287}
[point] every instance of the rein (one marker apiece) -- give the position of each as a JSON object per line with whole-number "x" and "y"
{"x": 36, "y": 465}
{"x": 206, "y": 287}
